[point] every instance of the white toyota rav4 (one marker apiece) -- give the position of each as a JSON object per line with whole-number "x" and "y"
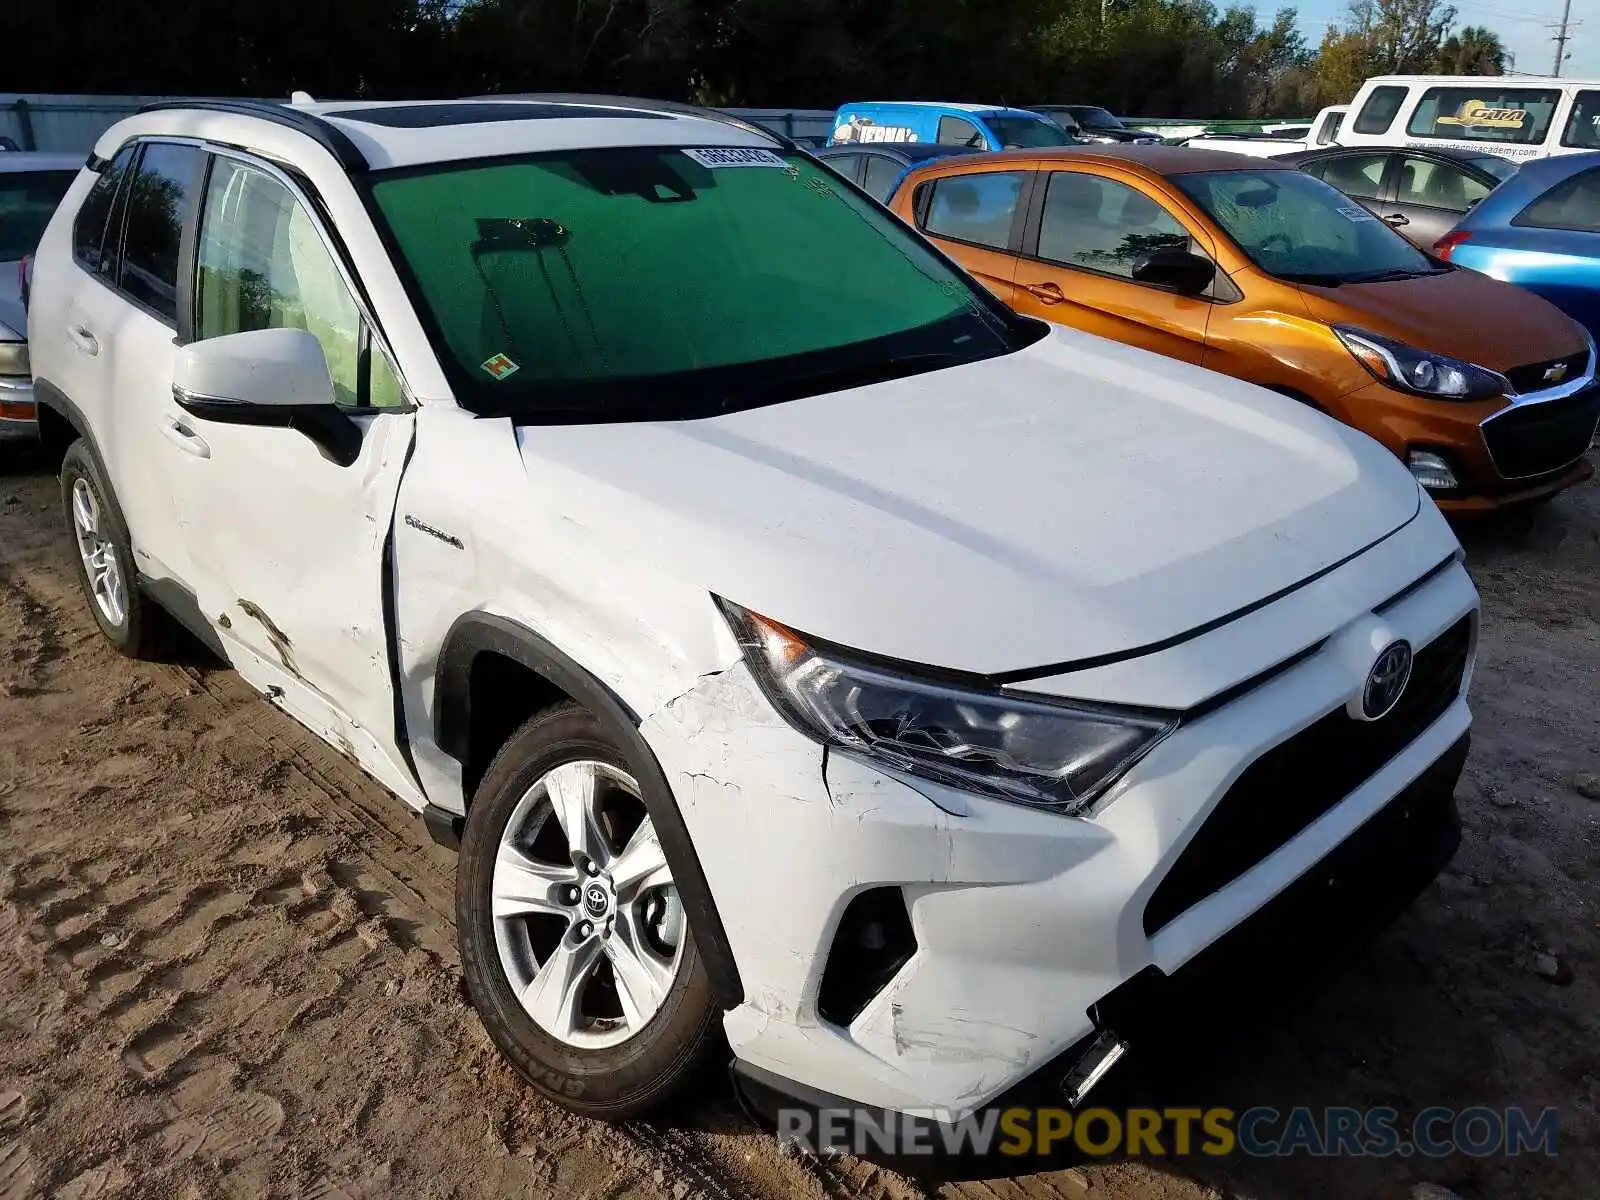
{"x": 812, "y": 657}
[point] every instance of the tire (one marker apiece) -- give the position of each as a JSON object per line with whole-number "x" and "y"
{"x": 136, "y": 626}
{"x": 602, "y": 1065}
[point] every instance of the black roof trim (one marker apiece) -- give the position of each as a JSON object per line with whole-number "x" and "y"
{"x": 324, "y": 133}
{"x": 668, "y": 107}
{"x": 440, "y": 115}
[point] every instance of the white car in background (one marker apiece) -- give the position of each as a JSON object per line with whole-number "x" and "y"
{"x": 31, "y": 185}
{"x": 800, "y": 645}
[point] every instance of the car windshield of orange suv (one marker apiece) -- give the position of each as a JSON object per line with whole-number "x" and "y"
{"x": 1260, "y": 271}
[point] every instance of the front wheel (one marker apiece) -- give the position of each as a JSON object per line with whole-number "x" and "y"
{"x": 574, "y": 943}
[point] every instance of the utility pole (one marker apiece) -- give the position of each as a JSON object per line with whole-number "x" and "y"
{"x": 1561, "y": 37}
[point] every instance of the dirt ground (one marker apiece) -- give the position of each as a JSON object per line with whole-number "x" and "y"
{"x": 227, "y": 964}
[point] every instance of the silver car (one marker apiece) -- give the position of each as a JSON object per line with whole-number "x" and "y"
{"x": 31, "y": 185}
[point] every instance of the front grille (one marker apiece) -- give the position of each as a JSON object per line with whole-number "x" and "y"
{"x": 1531, "y": 378}
{"x": 1298, "y": 780}
{"x": 1536, "y": 439}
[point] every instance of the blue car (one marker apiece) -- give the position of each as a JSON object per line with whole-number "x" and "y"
{"x": 1541, "y": 230}
{"x": 975, "y": 126}
{"x": 879, "y": 166}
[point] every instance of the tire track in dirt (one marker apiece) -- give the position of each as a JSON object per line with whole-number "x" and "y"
{"x": 231, "y": 959}
{"x": 217, "y": 942}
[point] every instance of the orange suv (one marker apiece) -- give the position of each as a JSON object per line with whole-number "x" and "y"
{"x": 1255, "y": 269}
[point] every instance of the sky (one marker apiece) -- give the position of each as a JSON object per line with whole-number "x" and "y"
{"x": 1521, "y": 25}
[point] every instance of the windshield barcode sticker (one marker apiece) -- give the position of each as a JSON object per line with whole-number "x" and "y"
{"x": 1354, "y": 212}
{"x": 733, "y": 156}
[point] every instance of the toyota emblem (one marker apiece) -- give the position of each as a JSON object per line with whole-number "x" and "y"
{"x": 1386, "y": 682}
{"x": 595, "y": 899}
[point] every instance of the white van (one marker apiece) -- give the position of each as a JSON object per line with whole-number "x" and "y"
{"x": 1515, "y": 116}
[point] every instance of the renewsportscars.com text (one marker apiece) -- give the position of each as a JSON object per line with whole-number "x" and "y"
{"x": 1149, "y": 1132}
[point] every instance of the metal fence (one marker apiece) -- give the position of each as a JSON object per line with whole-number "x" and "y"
{"x": 72, "y": 124}
{"x": 63, "y": 124}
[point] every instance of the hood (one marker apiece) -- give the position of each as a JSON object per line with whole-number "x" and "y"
{"x": 1074, "y": 499}
{"x": 1460, "y": 313}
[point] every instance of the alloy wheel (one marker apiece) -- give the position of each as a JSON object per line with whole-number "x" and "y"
{"x": 587, "y": 920}
{"x": 99, "y": 555}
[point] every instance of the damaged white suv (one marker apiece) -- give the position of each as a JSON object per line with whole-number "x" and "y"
{"x": 805, "y": 649}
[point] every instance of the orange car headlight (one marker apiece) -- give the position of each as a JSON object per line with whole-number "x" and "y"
{"x": 1419, "y": 371}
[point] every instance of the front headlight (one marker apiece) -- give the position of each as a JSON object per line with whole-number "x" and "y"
{"x": 1418, "y": 371}
{"x": 14, "y": 358}
{"x": 1029, "y": 750}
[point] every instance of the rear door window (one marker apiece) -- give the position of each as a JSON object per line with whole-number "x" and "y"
{"x": 880, "y": 177}
{"x": 1101, "y": 225}
{"x": 979, "y": 208}
{"x": 1485, "y": 114}
{"x": 848, "y": 165}
{"x": 95, "y": 234}
{"x": 1379, "y": 112}
{"x": 1435, "y": 184}
{"x": 1583, "y": 127}
{"x": 1356, "y": 175}
{"x": 158, "y": 204}
{"x": 1573, "y": 204}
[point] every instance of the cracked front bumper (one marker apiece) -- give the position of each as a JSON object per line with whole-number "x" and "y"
{"x": 1295, "y": 941}
{"x": 1026, "y": 922}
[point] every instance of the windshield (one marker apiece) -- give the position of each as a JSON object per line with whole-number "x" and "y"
{"x": 1096, "y": 118}
{"x": 1501, "y": 168}
{"x": 27, "y": 201}
{"x": 639, "y": 283}
{"x": 1027, "y": 133}
{"x": 1298, "y": 228}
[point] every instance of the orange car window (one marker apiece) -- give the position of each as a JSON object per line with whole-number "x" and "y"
{"x": 976, "y": 208}
{"x": 1102, "y": 225}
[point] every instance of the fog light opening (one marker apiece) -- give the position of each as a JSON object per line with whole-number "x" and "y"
{"x": 1432, "y": 471}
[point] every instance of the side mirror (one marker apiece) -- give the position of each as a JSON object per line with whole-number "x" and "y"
{"x": 267, "y": 377}
{"x": 1185, "y": 273}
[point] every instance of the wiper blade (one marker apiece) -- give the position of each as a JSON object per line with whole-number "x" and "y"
{"x": 1396, "y": 274}
{"x": 1313, "y": 278}
{"x": 879, "y": 370}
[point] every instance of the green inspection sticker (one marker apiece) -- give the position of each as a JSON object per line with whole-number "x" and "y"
{"x": 501, "y": 367}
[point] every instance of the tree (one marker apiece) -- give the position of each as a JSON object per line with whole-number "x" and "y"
{"x": 1476, "y": 50}
{"x": 1405, "y": 34}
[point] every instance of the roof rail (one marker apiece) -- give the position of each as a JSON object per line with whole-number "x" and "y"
{"x": 661, "y": 106}
{"x": 324, "y": 133}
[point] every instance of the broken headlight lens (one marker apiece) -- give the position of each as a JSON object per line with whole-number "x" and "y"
{"x": 1025, "y": 749}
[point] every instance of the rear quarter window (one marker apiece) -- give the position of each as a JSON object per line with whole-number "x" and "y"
{"x": 1379, "y": 111}
{"x": 94, "y": 234}
{"x": 1485, "y": 114}
{"x": 977, "y": 208}
{"x": 1573, "y": 204}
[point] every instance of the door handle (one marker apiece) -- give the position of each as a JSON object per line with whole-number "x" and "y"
{"x": 184, "y": 438}
{"x": 84, "y": 340}
{"x": 1396, "y": 220}
{"x": 1045, "y": 293}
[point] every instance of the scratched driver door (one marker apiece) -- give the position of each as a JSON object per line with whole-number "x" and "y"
{"x": 287, "y": 546}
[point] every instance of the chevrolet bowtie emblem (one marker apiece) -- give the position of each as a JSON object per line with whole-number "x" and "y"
{"x": 1556, "y": 373}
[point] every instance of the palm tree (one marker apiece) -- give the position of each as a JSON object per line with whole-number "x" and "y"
{"x": 1476, "y": 50}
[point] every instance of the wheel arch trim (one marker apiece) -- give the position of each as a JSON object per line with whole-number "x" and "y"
{"x": 475, "y": 633}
